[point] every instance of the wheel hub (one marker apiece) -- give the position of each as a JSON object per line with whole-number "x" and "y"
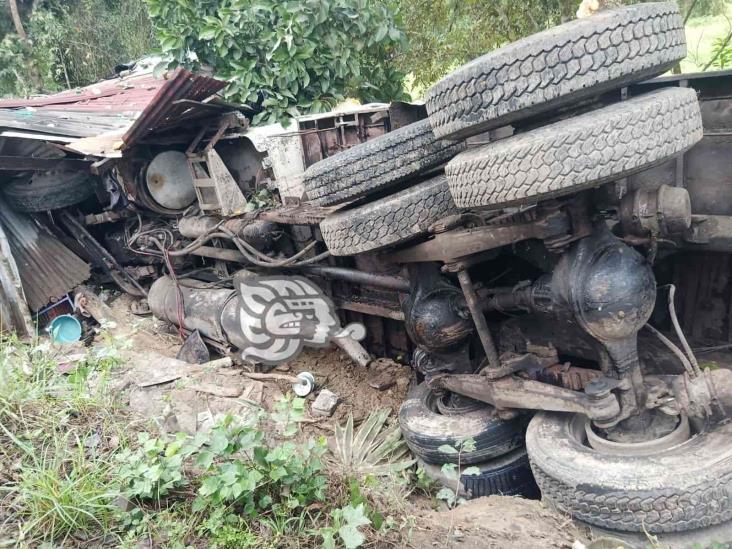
{"x": 644, "y": 434}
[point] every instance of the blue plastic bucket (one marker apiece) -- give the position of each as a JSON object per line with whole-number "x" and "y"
{"x": 65, "y": 329}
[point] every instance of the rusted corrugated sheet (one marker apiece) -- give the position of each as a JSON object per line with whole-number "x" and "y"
{"x": 162, "y": 112}
{"x": 48, "y": 269}
{"x": 133, "y": 105}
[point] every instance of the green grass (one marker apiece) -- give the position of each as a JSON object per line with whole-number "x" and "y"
{"x": 75, "y": 472}
{"x": 64, "y": 492}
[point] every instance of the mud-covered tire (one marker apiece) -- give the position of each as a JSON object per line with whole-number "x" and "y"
{"x": 377, "y": 164}
{"x": 508, "y": 475}
{"x": 579, "y": 152}
{"x": 684, "y": 487}
{"x": 48, "y": 191}
{"x": 388, "y": 221}
{"x": 425, "y": 430}
{"x": 580, "y": 59}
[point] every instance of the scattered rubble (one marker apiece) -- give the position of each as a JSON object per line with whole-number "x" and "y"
{"x": 325, "y": 404}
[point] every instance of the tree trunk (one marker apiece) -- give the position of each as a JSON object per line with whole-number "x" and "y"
{"x": 35, "y": 77}
{"x": 15, "y": 14}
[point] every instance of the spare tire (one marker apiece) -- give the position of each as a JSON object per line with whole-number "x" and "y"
{"x": 388, "y": 221}
{"x": 559, "y": 66}
{"x": 578, "y": 153}
{"x": 377, "y": 164}
{"x": 507, "y": 475}
{"x": 684, "y": 487}
{"x": 48, "y": 191}
{"x": 426, "y": 430}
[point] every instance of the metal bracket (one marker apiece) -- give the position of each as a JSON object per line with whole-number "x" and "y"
{"x": 513, "y": 392}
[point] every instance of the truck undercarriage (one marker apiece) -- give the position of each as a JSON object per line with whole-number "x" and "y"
{"x": 573, "y": 260}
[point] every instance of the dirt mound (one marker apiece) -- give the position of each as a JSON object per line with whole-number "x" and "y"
{"x": 496, "y": 522}
{"x": 335, "y": 371}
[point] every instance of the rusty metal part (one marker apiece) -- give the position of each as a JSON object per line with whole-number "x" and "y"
{"x": 106, "y": 217}
{"x": 678, "y": 434}
{"x": 664, "y": 211}
{"x": 455, "y": 244}
{"x": 511, "y": 364}
{"x": 516, "y": 393}
{"x": 536, "y": 297}
{"x": 711, "y": 233}
{"x": 301, "y": 214}
{"x": 193, "y": 308}
{"x": 100, "y": 257}
{"x": 215, "y": 314}
{"x": 370, "y": 308}
{"x": 224, "y": 254}
{"x": 699, "y": 397}
{"x": 141, "y": 271}
{"x": 358, "y": 277}
{"x": 476, "y": 311}
{"x": 564, "y": 375}
{"x": 259, "y": 233}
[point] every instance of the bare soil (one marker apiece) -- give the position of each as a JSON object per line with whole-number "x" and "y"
{"x": 496, "y": 522}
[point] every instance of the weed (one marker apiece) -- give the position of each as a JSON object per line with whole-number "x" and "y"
{"x": 346, "y": 523}
{"x": 372, "y": 449}
{"x": 454, "y": 471}
{"x": 63, "y": 493}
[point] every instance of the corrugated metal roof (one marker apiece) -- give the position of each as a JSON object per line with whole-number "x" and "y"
{"x": 48, "y": 269}
{"x": 131, "y": 106}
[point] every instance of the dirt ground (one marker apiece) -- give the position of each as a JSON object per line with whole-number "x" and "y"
{"x": 494, "y": 522}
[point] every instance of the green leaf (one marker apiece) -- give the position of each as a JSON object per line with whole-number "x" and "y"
{"x": 355, "y": 516}
{"x": 471, "y": 471}
{"x": 350, "y": 536}
{"x": 449, "y": 470}
{"x": 209, "y": 486}
{"x": 447, "y": 449}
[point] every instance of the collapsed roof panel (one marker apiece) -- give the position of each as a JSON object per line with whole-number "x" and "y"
{"x": 117, "y": 112}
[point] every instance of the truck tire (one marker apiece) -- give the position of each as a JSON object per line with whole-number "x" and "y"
{"x": 388, "y": 221}
{"x": 48, "y": 191}
{"x": 425, "y": 430}
{"x": 377, "y": 164}
{"x": 508, "y": 475}
{"x": 578, "y": 153}
{"x": 681, "y": 488}
{"x": 576, "y": 60}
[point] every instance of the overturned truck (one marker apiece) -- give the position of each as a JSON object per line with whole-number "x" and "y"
{"x": 547, "y": 242}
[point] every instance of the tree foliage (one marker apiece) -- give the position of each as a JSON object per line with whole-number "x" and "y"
{"x": 287, "y": 57}
{"x": 444, "y": 34}
{"x": 73, "y": 43}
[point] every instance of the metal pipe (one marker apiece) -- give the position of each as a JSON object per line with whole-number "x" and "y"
{"x": 259, "y": 233}
{"x": 224, "y": 254}
{"x": 359, "y": 277}
{"x": 476, "y": 311}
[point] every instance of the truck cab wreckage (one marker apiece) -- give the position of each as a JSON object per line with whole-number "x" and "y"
{"x": 547, "y": 242}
